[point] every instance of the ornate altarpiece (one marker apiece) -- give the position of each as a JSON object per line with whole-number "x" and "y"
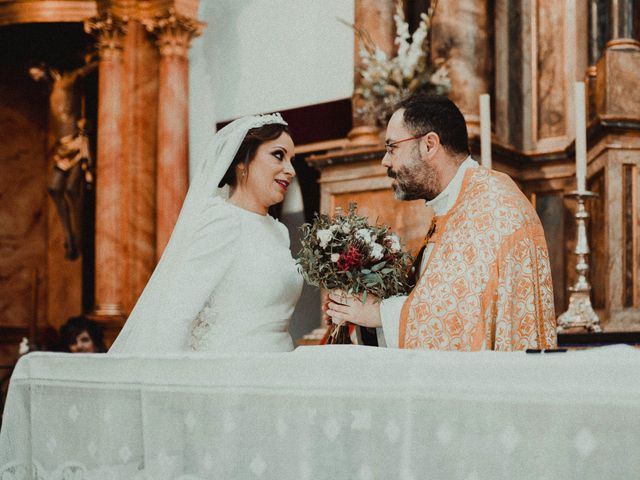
{"x": 141, "y": 142}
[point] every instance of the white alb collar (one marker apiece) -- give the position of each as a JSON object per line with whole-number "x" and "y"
{"x": 447, "y": 197}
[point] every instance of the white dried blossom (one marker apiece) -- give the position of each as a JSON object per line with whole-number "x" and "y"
{"x": 335, "y": 257}
{"x": 440, "y": 78}
{"x": 385, "y": 80}
{"x": 24, "y": 346}
{"x": 324, "y": 237}
{"x": 380, "y": 55}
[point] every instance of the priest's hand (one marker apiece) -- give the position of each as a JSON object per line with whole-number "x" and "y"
{"x": 343, "y": 307}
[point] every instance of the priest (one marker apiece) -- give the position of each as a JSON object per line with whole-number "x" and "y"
{"x": 483, "y": 274}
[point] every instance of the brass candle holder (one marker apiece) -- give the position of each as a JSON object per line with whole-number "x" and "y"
{"x": 580, "y": 313}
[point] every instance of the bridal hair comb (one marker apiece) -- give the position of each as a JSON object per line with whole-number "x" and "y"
{"x": 269, "y": 118}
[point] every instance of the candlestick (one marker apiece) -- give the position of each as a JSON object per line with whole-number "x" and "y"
{"x": 581, "y": 137}
{"x": 485, "y": 130}
{"x": 580, "y": 312}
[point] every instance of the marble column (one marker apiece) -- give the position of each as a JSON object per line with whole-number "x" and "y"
{"x": 110, "y": 32}
{"x": 460, "y": 35}
{"x": 615, "y": 162}
{"x": 623, "y": 15}
{"x": 540, "y": 51}
{"x": 617, "y": 95}
{"x": 141, "y": 66}
{"x": 596, "y": 43}
{"x": 375, "y": 17}
{"x": 597, "y": 29}
{"x": 174, "y": 33}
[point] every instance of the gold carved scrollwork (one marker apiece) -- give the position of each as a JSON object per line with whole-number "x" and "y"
{"x": 110, "y": 32}
{"x": 174, "y": 32}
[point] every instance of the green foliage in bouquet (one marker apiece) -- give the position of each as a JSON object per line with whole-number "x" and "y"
{"x": 346, "y": 253}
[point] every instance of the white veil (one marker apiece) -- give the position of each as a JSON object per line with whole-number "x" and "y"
{"x": 152, "y": 326}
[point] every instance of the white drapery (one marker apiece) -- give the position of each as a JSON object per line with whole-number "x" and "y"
{"x": 337, "y": 412}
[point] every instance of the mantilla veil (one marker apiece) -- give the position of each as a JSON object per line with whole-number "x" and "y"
{"x": 160, "y": 320}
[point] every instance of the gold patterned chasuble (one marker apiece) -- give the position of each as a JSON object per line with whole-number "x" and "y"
{"x": 487, "y": 282}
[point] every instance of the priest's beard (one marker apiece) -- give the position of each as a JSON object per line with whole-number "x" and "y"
{"x": 415, "y": 180}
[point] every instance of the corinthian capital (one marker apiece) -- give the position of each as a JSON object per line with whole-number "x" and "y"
{"x": 174, "y": 32}
{"x": 109, "y": 32}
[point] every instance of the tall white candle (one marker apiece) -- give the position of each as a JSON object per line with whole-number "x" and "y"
{"x": 581, "y": 137}
{"x": 485, "y": 131}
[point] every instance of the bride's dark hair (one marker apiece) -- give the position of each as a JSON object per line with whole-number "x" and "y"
{"x": 247, "y": 151}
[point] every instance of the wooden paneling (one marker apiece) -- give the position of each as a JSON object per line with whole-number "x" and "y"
{"x": 551, "y": 210}
{"x": 630, "y": 235}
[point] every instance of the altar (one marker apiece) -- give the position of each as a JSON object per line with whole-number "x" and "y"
{"x": 338, "y": 412}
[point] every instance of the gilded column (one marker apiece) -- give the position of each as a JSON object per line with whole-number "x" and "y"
{"x": 110, "y": 32}
{"x": 460, "y": 35}
{"x": 174, "y": 33}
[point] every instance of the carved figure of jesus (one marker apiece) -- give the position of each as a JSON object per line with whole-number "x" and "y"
{"x": 71, "y": 155}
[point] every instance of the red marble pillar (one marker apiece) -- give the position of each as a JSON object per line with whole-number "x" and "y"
{"x": 110, "y": 32}
{"x": 141, "y": 66}
{"x": 174, "y": 33}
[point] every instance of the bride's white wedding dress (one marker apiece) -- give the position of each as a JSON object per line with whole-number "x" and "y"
{"x": 226, "y": 281}
{"x": 250, "y": 308}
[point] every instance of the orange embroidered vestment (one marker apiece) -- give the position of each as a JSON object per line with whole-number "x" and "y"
{"x": 487, "y": 282}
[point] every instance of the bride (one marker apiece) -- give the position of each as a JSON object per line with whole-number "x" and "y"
{"x": 226, "y": 281}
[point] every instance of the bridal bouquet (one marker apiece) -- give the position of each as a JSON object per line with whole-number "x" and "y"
{"x": 346, "y": 253}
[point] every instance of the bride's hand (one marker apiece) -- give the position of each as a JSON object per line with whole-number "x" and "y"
{"x": 343, "y": 307}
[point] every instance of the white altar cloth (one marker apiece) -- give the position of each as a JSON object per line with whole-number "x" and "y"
{"x": 338, "y": 412}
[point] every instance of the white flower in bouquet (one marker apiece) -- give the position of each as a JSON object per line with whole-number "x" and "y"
{"x": 335, "y": 257}
{"x": 324, "y": 236}
{"x": 377, "y": 251}
{"x": 364, "y": 235}
{"x": 394, "y": 243}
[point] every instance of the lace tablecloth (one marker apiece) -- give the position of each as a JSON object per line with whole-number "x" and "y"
{"x": 338, "y": 412}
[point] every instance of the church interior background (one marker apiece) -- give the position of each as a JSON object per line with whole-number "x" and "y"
{"x": 170, "y": 71}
